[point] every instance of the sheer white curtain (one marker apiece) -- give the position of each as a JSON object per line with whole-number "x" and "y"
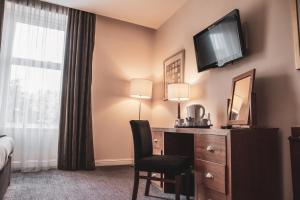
{"x": 31, "y": 65}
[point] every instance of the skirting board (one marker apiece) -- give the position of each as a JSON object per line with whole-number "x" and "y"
{"x": 113, "y": 162}
{"x": 16, "y": 165}
{"x": 31, "y": 165}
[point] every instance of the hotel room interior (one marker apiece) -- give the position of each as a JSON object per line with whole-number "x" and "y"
{"x": 149, "y": 99}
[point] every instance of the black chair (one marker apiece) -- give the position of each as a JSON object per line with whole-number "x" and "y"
{"x": 145, "y": 161}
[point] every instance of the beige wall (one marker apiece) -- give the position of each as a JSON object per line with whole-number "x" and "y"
{"x": 122, "y": 51}
{"x": 270, "y": 48}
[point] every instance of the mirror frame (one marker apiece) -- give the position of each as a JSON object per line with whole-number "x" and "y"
{"x": 250, "y": 74}
{"x": 296, "y": 33}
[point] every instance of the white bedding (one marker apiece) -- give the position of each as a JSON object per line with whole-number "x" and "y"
{"x": 6, "y": 148}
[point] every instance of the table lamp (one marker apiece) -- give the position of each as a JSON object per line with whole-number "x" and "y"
{"x": 141, "y": 89}
{"x": 178, "y": 92}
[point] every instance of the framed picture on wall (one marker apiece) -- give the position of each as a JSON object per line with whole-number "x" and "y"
{"x": 296, "y": 25}
{"x": 173, "y": 70}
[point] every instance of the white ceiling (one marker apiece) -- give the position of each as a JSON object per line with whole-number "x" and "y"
{"x": 149, "y": 13}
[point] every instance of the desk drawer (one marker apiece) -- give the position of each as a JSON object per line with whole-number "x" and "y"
{"x": 211, "y": 175}
{"x": 158, "y": 143}
{"x": 211, "y": 148}
{"x": 158, "y": 151}
{"x": 208, "y": 194}
{"x": 212, "y": 195}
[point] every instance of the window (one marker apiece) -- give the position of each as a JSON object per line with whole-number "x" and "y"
{"x": 35, "y": 75}
{"x": 25, "y": 50}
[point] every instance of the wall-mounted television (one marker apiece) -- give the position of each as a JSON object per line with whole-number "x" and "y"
{"x": 221, "y": 43}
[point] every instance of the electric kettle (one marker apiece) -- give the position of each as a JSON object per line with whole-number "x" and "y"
{"x": 196, "y": 112}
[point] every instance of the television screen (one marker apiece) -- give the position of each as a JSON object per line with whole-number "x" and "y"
{"x": 221, "y": 43}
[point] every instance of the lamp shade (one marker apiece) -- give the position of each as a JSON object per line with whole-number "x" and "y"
{"x": 141, "y": 88}
{"x": 178, "y": 92}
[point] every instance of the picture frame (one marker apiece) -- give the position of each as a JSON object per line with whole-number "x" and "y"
{"x": 295, "y": 14}
{"x": 173, "y": 70}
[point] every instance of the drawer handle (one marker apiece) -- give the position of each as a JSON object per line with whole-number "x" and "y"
{"x": 155, "y": 140}
{"x": 209, "y": 176}
{"x": 210, "y": 148}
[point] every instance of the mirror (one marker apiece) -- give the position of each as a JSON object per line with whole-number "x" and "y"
{"x": 239, "y": 110}
{"x": 241, "y": 98}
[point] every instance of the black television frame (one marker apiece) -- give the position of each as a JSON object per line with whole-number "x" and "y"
{"x": 241, "y": 37}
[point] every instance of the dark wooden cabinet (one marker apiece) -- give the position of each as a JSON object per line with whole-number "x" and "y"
{"x": 295, "y": 160}
{"x": 236, "y": 164}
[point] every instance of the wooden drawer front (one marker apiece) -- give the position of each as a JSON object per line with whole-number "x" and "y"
{"x": 213, "y": 195}
{"x": 158, "y": 151}
{"x": 207, "y": 194}
{"x": 158, "y": 142}
{"x": 211, "y": 148}
{"x": 211, "y": 175}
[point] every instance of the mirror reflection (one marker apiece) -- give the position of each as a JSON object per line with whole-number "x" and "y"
{"x": 240, "y": 104}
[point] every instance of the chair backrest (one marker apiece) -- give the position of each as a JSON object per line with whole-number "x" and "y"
{"x": 142, "y": 139}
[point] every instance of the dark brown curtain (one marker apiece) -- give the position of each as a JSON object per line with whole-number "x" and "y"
{"x": 2, "y": 2}
{"x": 76, "y": 151}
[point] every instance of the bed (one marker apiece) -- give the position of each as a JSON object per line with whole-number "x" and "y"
{"x": 6, "y": 150}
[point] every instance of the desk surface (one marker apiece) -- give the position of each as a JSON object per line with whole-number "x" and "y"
{"x": 214, "y": 131}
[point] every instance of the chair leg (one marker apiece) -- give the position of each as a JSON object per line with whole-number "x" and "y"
{"x": 135, "y": 185}
{"x": 178, "y": 180}
{"x": 148, "y": 184}
{"x": 187, "y": 184}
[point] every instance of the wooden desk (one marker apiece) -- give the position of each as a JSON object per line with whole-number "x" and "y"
{"x": 229, "y": 164}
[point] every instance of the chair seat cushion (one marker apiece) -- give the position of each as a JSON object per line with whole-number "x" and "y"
{"x": 164, "y": 164}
